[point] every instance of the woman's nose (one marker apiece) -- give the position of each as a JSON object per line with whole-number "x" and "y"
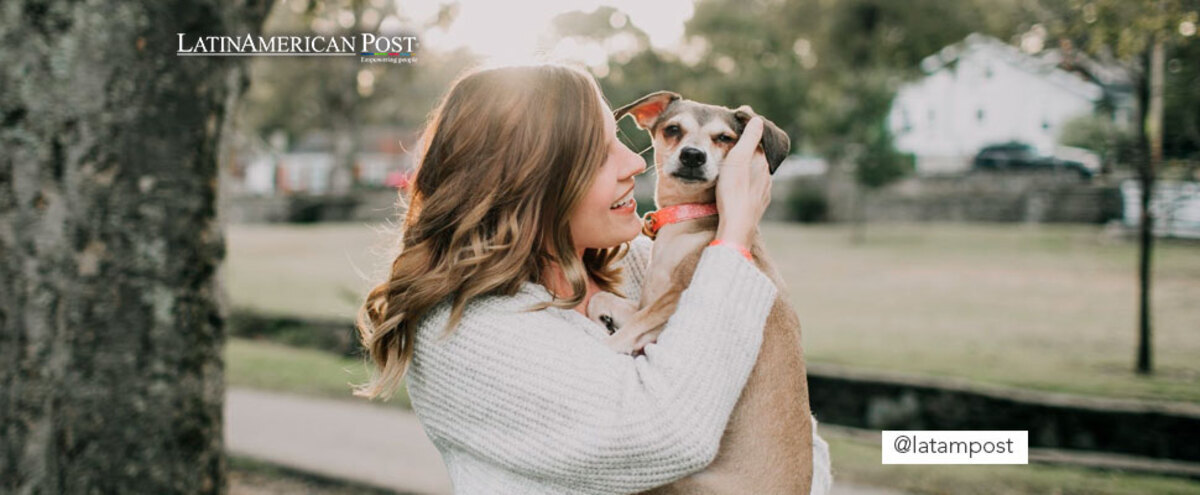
{"x": 636, "y": 164}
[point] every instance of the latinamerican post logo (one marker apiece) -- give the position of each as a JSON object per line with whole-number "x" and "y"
{"x": 370, "y": 47}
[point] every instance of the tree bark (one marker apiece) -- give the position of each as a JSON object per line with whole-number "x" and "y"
{"x": 110, "y": 333}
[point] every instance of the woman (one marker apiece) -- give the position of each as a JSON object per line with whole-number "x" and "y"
{"x": 516, "y": 217}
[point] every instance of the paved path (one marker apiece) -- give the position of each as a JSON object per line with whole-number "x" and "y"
{"x": 354, "y": 441}
{"x": 342, "y": 439}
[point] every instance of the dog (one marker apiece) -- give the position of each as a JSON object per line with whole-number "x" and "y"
{"x": 771, "y": 429}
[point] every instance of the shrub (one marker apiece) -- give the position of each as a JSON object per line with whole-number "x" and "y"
{"x": 807, "y": 204}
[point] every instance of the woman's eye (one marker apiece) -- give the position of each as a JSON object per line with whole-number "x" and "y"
{"x": 671, "y": 130}
{"x": 724, "y": 138}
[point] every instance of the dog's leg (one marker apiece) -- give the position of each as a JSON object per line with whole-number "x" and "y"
{"x": 611, "y": 310}
{"x": 643, "y": 327}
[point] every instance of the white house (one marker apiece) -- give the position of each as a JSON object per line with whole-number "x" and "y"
{"x": 984, "y": 91}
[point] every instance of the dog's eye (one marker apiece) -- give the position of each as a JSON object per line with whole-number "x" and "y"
{"x": 671, "y": 130}
{"x": 725, "y": 138}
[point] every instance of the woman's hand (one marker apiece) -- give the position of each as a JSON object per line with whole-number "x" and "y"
{"x": 743, "y": 187}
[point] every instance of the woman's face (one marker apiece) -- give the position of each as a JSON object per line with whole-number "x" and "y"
{"x": 595, "y": 223}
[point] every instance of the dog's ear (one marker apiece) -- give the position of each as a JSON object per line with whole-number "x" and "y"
{"x": 647, "y": 108}
{"x": 776, "y": 143}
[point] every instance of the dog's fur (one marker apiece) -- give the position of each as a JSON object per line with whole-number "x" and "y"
{"x": 770, "y": 433}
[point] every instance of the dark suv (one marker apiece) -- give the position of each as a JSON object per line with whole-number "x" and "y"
{"x": 1016, "y": 156}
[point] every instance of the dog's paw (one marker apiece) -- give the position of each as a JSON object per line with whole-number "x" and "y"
{"x": 645, "y": 340}
{"x": 624, "y": 343}
{"x": 608, "y": 322}
{"x": 631, "y": 341}
{"x": 608, "y": 309}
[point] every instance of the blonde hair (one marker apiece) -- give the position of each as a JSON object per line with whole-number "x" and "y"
{"x": 507, "y": 156}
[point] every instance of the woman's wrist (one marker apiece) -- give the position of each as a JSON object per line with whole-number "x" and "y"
{"x": 737, "y": 236}
{"x": 741, "y": 248}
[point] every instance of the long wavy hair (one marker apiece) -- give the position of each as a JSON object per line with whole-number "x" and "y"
{"x": 506, "y": 157}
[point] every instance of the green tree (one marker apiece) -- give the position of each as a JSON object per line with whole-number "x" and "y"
{"x": 1138, "y": 34}
{"x": 1098, "y": 133}
{"x": 341, "y": 95}
{"x": 877, "y": 164}
{"x": 1181, "y": 99}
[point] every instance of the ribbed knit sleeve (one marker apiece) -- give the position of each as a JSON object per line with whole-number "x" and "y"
{"x": 530, "y": 402}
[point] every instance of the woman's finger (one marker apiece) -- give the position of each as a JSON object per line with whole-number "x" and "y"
{"x": 748, "y": 141}
{"x": 759, "y": 158}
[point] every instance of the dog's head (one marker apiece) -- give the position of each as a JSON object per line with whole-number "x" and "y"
{"x": 691, "y": 139}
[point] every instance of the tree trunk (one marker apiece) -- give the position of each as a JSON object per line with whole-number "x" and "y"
{"x": 841, "y": 189}
{"x": 1154, "y": 118}
{"x": 1150, "y": 152}
{"x": 345, "y": 151}
{"x": 110, "y": 334}
{"x": 343, "y": 100}
{"x": 858, "y": 233}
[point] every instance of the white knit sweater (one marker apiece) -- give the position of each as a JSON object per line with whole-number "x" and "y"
{"x": 534, "y": 402}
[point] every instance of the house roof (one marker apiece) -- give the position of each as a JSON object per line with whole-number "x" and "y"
{"x": 1106, "y": 73}
{"x": 982, "y": 45}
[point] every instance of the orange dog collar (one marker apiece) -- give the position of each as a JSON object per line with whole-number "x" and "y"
{"x": 654, "y": 220}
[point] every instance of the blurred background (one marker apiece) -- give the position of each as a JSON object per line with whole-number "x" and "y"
{"x": 962, "y": 224}
{"x": 959, "y": 221}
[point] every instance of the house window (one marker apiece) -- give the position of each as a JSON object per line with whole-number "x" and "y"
{"x": 1045, "y": 125}
{"x": 979, "y": 115}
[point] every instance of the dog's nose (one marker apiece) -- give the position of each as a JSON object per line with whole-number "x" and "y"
{"x": 691, "y": 157}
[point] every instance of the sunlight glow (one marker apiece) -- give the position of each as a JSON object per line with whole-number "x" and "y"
{"x": 517, "y": 32}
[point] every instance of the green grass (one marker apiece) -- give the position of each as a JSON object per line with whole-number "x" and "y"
{"x": 269, "y": 366}
{"x": 859, "y": 460}
{"x": 1043, "y": 307}
{"x": 316, "y": 270}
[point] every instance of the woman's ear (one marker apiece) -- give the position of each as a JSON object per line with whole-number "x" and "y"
{"x": 647, "y": 108}
{"x": 776, "y": 143}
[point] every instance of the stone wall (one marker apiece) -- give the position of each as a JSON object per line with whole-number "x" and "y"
{"x": 884, "y": 401}
{"x": 996, "y": 198}
{"x": 980, "y": 197}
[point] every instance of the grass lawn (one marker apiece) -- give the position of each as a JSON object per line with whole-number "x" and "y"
{"x": 268, "y": 366}
{"x": 858, "y": 460}
{"x": 322, "y": 270}
{"x": 1042, "y": 307}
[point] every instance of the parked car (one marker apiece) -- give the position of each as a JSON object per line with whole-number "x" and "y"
{"x": 1017, "y": 156}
